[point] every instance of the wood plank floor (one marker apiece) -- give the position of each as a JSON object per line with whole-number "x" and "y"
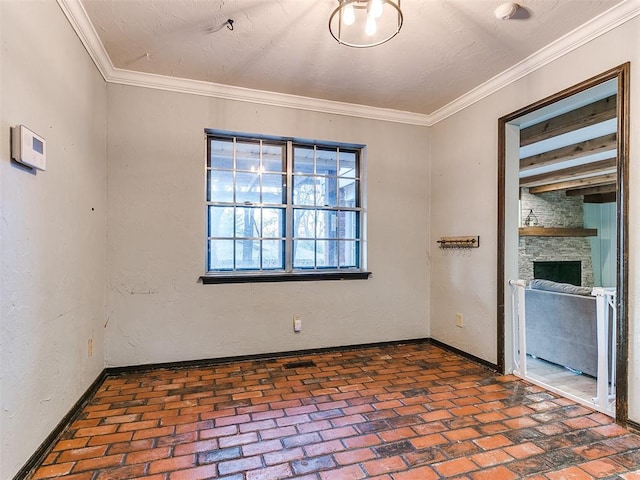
{"x": 582, "y": 386}
{"x": 406, "y": 412}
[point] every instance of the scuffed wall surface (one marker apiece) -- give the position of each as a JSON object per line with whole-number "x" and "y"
{"x": 158, "y": 310}
{"x": 52, "y": 227}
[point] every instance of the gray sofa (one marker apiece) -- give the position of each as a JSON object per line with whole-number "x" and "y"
{"x": 561, "y": 325}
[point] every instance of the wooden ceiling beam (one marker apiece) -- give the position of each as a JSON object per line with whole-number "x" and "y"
{"x": 567, "y": 173}
{"x": 579, "y": 192}
{"x": 573, "y": 184}
{"x": 570, "y": 152}
{"x": 601, "y": 198}
{"x": 591, "y": 114}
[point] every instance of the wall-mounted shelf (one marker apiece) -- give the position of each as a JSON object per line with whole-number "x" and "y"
{"x": 557, "y": 232}
{"x": 459, "y": 242}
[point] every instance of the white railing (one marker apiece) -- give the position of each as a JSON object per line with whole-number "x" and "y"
{"x": 606, "y": 325}
{"x": 606, "y": 342}
{"x": 519, "y": 330}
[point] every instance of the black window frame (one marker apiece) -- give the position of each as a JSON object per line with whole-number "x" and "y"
{"x": 346, "y": 250}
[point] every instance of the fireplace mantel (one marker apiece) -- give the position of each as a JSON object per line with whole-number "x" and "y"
{"x": 557, "y": 232}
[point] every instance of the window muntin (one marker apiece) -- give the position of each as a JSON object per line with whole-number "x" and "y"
{"x": 327, "y": 235}
{"x": 256, "y": 226}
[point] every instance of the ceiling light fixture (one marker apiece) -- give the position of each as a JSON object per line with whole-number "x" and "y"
{"x": 365, "y": 23}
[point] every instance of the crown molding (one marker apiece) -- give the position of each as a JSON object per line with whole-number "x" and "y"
{"x": 605, "y": 22}
{"x": 263, "y": 97}
{"x": 79, "y": 20}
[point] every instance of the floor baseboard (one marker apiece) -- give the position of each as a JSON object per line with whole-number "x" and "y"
{"x": 464, "y": 354}
{"x": 633, "y": 426}
{"x": 45, "y": 447}
{"x": 261, "y": 356}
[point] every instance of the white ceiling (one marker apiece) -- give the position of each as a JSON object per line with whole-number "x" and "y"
{"x": 445, "y": 49}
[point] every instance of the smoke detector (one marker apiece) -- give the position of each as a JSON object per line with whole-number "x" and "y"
{"x": 506, "y": 11}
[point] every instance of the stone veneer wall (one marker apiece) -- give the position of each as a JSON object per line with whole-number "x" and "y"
{"x": 554, "y": 209}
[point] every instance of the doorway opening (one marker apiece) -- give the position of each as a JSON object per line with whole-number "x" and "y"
{"x": 562, "y": 242}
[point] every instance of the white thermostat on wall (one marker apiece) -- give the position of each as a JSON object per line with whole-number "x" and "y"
{"x": 28, "y": 147}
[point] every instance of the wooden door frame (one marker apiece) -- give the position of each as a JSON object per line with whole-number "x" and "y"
{"x": 621, "y": 73}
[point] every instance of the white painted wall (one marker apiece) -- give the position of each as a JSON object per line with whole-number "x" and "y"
{"x": 463, "y": 202}
{"x": 158, "y": 310}
{"x": 52, "y": 227}
{"x": 464, "y": 197}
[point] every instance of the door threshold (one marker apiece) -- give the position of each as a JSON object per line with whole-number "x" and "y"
{"x": 582, "y": 401}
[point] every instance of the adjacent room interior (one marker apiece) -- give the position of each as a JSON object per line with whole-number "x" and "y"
{"x": 111, "y": 252}
{"x": 567, "y": 239}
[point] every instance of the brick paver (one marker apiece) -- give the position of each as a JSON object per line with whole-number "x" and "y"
{"x": 400, "y": 412}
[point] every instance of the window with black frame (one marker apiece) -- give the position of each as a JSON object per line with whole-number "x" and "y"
{"x": 282, "y": 206}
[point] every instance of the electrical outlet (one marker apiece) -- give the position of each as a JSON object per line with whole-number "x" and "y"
{"x": 459, "y": 320}
{"x": 90, "y": 347}
{"x": 297, "y": 323}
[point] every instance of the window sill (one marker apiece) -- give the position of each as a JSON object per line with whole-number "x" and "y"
{"x": 283, "y": 277}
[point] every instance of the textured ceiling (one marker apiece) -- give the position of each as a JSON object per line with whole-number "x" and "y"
{"x": 445, "y": 48}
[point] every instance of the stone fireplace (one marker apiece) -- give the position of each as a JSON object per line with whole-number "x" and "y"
{"x": 553, "y": 209}
{"x": 564, "y": 271}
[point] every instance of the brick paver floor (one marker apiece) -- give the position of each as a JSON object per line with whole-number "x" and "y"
{"x": 404, "y": 412}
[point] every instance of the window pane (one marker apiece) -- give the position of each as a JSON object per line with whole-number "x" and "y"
{"x": 326, "y": 194}
{"x": 348, "y": 164}
{"x": 272, "y": 254}
{"x": 248, "y": 156}
{"x": 304, "y": 223}
{"x": 220, "y": 254}
{"x": 247, "y": 222}
{"x": 272, "y": 158}
{"x": 327, "y": 224}
{"x": 348, "y": 254}
{"x": 303, "y": 190}
{"x": 221, "y": 222}
{"x": 220, "y": 186}
{"x": 272, "y": 222}
{"x": 248, "y": 254}
{"x": 348, "y": 225}
{"x": 247, "y": 187}
{"x": 272, "y": 188}
{"x": 326, "y": 253}
{"x": 303, "y": 160}
{"x": 304, "y": 253}
{"x": 221, "y": 154}
{"x": 248, "y": 216}
{"x": 347, "y": 192}
{"x": 326, "y": 162}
